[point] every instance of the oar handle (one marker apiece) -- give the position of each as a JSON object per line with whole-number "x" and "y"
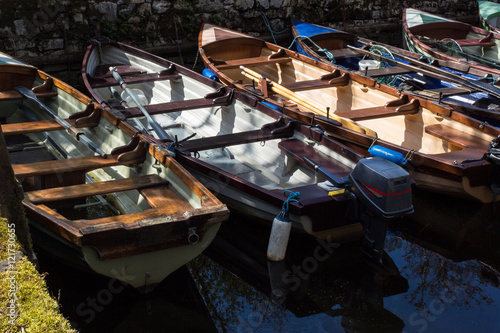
{"x": 156, "y": 127}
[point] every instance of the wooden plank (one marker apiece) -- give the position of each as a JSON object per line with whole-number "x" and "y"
{"x": 69, "y": 165}
{"x": 166, "y": 198}
{"x": 448, "y": 91}
{"x": 102, "y": 71}
{"x": 169, "y": 107}
{"x": 132, "y": 79}
{"x": 456, "y": 137}
{"x": 474, "y": 42}
{"x": 231, "y": 64}
{"x": 298, "y": 150}
{"x": 12, "y": 95}
{"x": 395, "y": 70}
{"x": 232, "y": 139}
{"x": 318, "y": 84}
{"x": 37, "y": 126}
{"x": 387, "y": 110}
{"x": 344, "y": 53}
{"x": 84, "y": 190}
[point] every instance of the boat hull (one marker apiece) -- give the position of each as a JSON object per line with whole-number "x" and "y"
{"x": 425, "y": 33}
{"x": 447, "y": 82}
{"x": 117, "y": 214}
{"x": 250, "y": 175}
{"x": 355, "y": 98}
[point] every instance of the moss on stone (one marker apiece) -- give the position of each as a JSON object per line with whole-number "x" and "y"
{"x": 25, "y": 302}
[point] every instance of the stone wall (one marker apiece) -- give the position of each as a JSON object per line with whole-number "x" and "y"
{"x": 54, "y": 33}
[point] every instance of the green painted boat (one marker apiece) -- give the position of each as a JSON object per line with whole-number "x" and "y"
{"x": 489, "y": 14}
{"x": 442, "y": 38}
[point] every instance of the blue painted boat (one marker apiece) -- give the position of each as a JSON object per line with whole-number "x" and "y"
{"x": 467, "y": 89}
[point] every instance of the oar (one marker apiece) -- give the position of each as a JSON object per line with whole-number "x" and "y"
{"x": 162, "y": 134}
{"x": 279, "y": 89}
{"x": 430, "y": 70}
{"x": 80, "y": 136}
{"x": 136, "y": 121}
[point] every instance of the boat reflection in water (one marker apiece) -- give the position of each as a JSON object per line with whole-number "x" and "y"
{"x": 318, "y": 285}
{"x": 95, "y": 303}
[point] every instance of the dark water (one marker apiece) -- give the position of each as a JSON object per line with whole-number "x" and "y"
{"x": 440, "y": 274}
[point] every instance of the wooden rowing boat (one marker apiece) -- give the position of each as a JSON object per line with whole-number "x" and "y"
{"x": 489, "y": 13}
{"x": 460, "y": 86}
{"x": 96, "y": 194}
{"x": 250, "y": 155}
{"x": 445, "y": 149}
{"x": 446, "y": 39}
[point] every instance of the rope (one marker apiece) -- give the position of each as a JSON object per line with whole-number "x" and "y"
{"x": 292, "y": 198}
{"x": 330, "y": 56}
{"x": 391, "y": 79}
{"x": 268, "y": 25}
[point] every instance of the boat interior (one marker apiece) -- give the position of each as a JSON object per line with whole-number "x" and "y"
{"x": 89, "y": 197}
{"x": 222, "y": 131}
{"x": 398, "y": 120}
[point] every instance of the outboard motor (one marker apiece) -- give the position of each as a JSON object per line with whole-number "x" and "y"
{"x": 382, "y": 190}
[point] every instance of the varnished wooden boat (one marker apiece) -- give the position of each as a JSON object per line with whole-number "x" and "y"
{"x": 447, "y": 39}
{"x": 250, "y": 155}
{"x": 96, "y": 193}
{"x": 445, "y": 150}
{"x": 464, "y": 88}
{"x": 489, "y": 13}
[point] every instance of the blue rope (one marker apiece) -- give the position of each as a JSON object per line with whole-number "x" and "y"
{"x": 330, "y": 56}
{"x": 292, "y": 198}
{"x": 268, "y": 25}
{"x": 425, "y": 58}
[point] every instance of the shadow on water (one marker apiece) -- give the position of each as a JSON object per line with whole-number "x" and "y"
{"x": 318, "y": 280}
{"x": 440, "y": 274}
{"x": 97, "y": 304}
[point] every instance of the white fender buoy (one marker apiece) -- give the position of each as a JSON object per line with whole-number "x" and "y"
{"x": 280, "y": 231}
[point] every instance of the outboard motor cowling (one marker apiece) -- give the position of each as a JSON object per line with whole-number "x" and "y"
{"x": 382, "y": 186}
{"x": 380, "y": 190}
{"x": 383, "y": 190}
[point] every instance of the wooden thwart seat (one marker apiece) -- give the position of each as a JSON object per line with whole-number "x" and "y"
{"x": 485, "y": 41}
{"x": 13, "y": 95}
{"x": 267, "y": 132}
{"x": 38, "y": 126}
{"x": 298, "y": 150}
{"x": 344, "y": 53}
{"x": 223, "y": 96}
{"x": 334, "y": 79}
{"x": 140, "y": 78}
{"x": 447, "y": 91}
{"x": 456, "y": 137}
{"x": 256, "y": 61}
{"x": 395, "y": 70}
{"x": 398, "y": 107}
{"x": 59, "y": 166}
{"x": 84, "y": 190}
{"x": 103, "y": 77}
{"x": 102, "y": 71}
